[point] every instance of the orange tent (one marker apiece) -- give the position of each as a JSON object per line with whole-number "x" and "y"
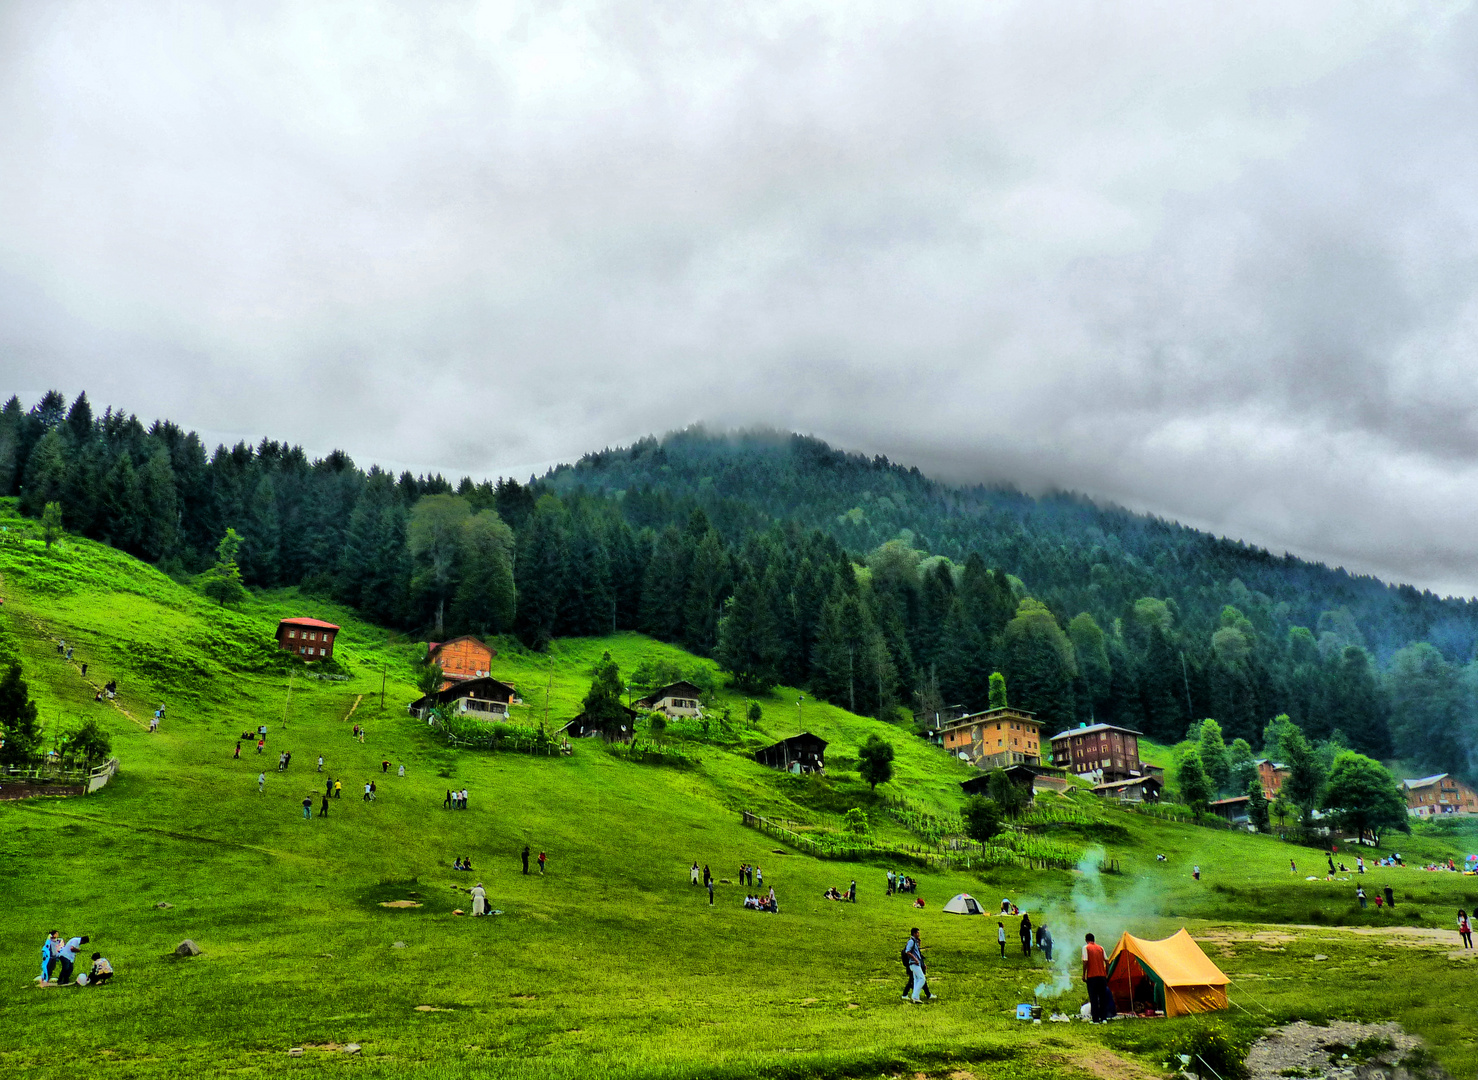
{"x": 1173, "y": 974}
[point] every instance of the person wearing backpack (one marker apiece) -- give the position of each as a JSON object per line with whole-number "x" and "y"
{"x": 913, "y": 962}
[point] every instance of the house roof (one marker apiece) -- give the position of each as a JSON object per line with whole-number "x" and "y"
{"x": 805, "y": 738}
{"x": 317, "y": 624}
{"x": 1425, "y": 781}
{"x": 433, "y": 646}
{"x": 463, "y": 689}
{"x": 681, "y": 688}
{"x": 1095, "y": 727}
{"x": 1231, "y": 801}
{"x": 989, "y": 715}
{"x": 1133, "y": 780}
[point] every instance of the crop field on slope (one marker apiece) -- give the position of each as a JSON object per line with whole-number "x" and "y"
{"x": 611, "y": 964}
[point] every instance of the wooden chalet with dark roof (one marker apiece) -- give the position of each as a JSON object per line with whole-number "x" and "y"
{"x": 676, "y": 699}
{"x": 308, "y": 639}
{"x": 482, "y": 699}
{"x": 581, "y": 728}
{"x": 803, "y": 753}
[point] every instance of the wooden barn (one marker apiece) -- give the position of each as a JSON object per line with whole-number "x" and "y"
{"x": 482, "y": 699}
{"x": 311, "y": 639}
{"x": 461, "y": 658}
{"x": 677, "y": 699}
{"x": 580, "y": 728}
{"x": 1034, "y": 778}
{"x": 803, "y": 753}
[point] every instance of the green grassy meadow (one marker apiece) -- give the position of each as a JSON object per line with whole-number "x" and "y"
{"x": 612, "y": 964}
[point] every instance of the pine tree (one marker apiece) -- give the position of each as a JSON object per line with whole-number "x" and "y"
{"x": 1195, "y": 785}
{"x": 998, "y": 690}
{"x": 591, "y": 600}
{"x": 839, "y": 661}
{"x": 1305, "y": 784}
{"x": 46, "y": 474}
{"x": 222, "y": 582}
{"x": 486, "y": 599}
{"x": 19, "y": 723}
{"x": 51, "y": 523}
{"x": 602, "y": 705}
{"x": 1095, "y": 674}
{"x": 748, "y": 644}
{"x": 1040, "y": 666}
{"x": 664, "y": 586}
{"x": 541, "y": 572}
{"x": 708, "y": 585}
{"x": 1257, "y": 804}
{"x": 434, "y": 537}
{"x": 159, "y": 506}
{"x": 1212, "y": 750}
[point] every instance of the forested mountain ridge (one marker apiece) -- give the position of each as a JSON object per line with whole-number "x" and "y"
{"x": 791, "y": 562}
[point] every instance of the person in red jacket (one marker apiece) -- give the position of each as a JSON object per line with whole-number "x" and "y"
{"x": 1095, "y": 974}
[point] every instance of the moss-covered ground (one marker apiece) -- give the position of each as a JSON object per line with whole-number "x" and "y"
{"x": 612, "y": 964}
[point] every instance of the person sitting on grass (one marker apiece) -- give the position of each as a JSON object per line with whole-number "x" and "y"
{"x": 101, "y": 971}
{"x": 831, "y": 894}
{"x": 467, "y": 863}
{"x": 458, "y": 864}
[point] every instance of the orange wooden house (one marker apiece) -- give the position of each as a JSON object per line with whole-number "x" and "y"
{"x": 461, "y": 658}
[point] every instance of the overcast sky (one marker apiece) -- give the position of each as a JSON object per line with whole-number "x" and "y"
{"x": 1212, "y": 260}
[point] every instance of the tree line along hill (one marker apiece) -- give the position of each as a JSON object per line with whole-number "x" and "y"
{"x": 790, "y": 562}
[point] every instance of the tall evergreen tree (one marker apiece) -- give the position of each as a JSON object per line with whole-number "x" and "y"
{"x": 435, "y": 538}
{"x": 486, "y": 599}
{"x": 749, "y": 645}
{"x": 1039, "y": 665}
{"x": 542, "y": 572}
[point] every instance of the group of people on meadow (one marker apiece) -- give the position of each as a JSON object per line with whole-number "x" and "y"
{"x": 763, "y": 903}
{"x": 59, "y": 958}
{"x": 455, "y": 800}
{"x": 834, "y": 893}
{"x": 901, "y": 883}
{"x": 749, "y": 876}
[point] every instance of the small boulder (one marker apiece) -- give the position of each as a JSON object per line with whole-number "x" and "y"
{"x": 164, "y": 904}
{"x": 351, "y": 1048}
{"x": 397, "y": 945}
{"x": 1319, "y": 956}
{"x": 296, "y": 1051}
{"x": 187, "y": 948}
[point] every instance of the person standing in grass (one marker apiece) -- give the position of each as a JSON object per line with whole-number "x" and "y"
{"x": 402, "y": 772}
{"x": 323, "y": 806}
{"x": 1464, "y": 928}
{"x": 1044, "y": 940}
{"x": 1026, "y": 934}
{"x": 446, "y": 804}
{"x": 1001, "y": 938}
{"x": 366, "y": 791}
{"x": 338, "y": 789}
{"x": 913, "y": 965}
{"x": 541, "y": 864}
{"x": 759, "y": 878}
{"x": 526, "y": 858}
{"x": 1095, "y": 974}
{"x": 1196, "y": 872}
{"x": 67, "y": 954}
{"x": 693, "y": 873}
{"x": 261, "y": 782}
{"x": 237, "y": 756}
{"x": 707, "y": 880}
{"x": 49, "y": 947}
{"x": 320, "y": 763}
{"x": 479, "y": 900}
{"x": 261, "y": 745}
{"x": 890, "y": 883}
{"x": 307, "y": 807}
{"x": 1360, "y": 894}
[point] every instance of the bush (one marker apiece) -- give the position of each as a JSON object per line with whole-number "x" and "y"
{"x": 1215, "y": 1050}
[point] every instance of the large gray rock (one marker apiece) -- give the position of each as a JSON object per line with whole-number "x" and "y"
{"x": 187, "y": 948}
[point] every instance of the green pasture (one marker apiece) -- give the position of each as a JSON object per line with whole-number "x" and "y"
{"x": 612, "y": 964}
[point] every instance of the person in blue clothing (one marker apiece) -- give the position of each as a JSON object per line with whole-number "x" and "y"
{"x": 67, "y": 954}
{"x": 913, "y": 963}
{"x": 49, "y": 949}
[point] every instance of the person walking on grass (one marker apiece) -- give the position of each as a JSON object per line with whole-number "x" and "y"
{"x": 307, "y": 807}
{"x": 366, "y": 791}
{"x": 261, "y": 782}
{"x": 694, "y": 873}
{"x": 709, "y": 882}
{"x": 237, "y": 756}
{"x": 1095, "y": 974}
{"x": 261, "y": 745}
{"x": 320, "y": 763}
{"x": 1360, "y": 894}
{"x": 1196, "y": 873}
{"x": 1464, "y": 928}
{"x": 913, "y": 968}
{"x": 323, "y": 807}
{"x": 338, "y": 789}
{"x": 541, "y": 864}
{"x": 1026, "y": 935}
{"x": 525, "y": 858}
{"x": 1001, "y": 938}
{"x": 446, "y": 804}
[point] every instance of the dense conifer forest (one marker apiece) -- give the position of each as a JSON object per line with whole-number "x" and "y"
{"x": 791, "y": 562}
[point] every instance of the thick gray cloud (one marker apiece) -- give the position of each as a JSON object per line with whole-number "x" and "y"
{"x": 1215, "y": 261}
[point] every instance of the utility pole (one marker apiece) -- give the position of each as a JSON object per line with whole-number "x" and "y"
{"x": 384, "y": 668}
{"x": 288, "y": 699}
{"x": 1189, "y": 711}
{"x": 798, "y": 701}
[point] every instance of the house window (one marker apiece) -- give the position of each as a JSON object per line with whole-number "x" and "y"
{"x": 310, "y": 651}
{"x": 292, "y": 633}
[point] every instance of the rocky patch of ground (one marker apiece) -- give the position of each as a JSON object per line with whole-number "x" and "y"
{"x": 1342, "y": 1051}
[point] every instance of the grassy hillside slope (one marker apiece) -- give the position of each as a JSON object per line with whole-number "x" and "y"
{"x": 612, "y": 964}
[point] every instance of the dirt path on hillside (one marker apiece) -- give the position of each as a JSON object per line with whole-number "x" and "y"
{"x": 41, "y": 630}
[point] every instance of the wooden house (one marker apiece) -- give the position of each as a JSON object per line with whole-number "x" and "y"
{"x": 1135, "y": 789}
{"x": 1431, "y": 796}
{"x": 481, "y": 699}
{"x": 580, "y": 728}
{"x": 803, "y": 753}
{"x": 1237, "y": 809}
{"x": 311, "y": 639}
{"x": 1034, "y": 778}
{"x": 1271, "y": 775}
{"x": 1103, "y": 753}
{"x": 461, "y": 658}
{"x": 677, "y": 699}
{"x": 994, "y": 738}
